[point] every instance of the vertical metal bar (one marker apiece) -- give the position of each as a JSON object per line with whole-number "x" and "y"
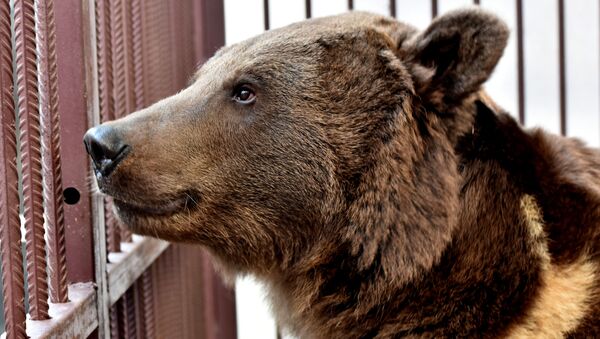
{"x": 562, "y": 67}
{"x": 119, "y": 95}
{"x": 29, "y": 125}
{"x": 78, "y": 110}
{"x": 106, "y": 100}
{"x": 520, "y": 62}
{"x": 51, "y": 161}
{"x": 127, "y": 315}
{"x": 104, "y": 52}
{"x": 138, "y": 65}
{"x": 114, "y": 321}
{"x": 477, "y": 2}
{"x": 119, "y": 71}
{"x": 97, "y": 26}
{"x": 434, "y": 8}
{"x": 210, "y": 14}
{"x": 140, "y": 320}
{"x": 308, "y": 9}
{"x": 147, "y": 296}
{"x": 393, "y": 8}
{"x": 175, "y": 44}
{"x": 266, "y": 15}
{"x": 113, "y": 233}
{"x": 128, "y": 72}
{"x": 350, "y": 4}
{"x": 10, "y": 233}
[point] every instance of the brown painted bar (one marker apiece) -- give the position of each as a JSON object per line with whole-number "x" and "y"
{"x": 103, "y": 11}
{"x": 76, "y": 81}
{"x": 128, "y": 96}
{"x": 520, "y": 62}
{"x": 129, "y": 306}
{"x": 562, "y": 67}
{"x": 477, "y": 2}
{"x": 29, "y": 126}
{"x": 147, "y": 303}
{"x": 51, "y": 160}
{"x": 114, "y": 321}
{"x": 266, "y": 15}
{"x": 434, "y": 8}
{"x": 211, "y": 15}
{"x": 350, "y": 4}
{"x": 10, "y": 233}
{"x": 393, "y": 8}
{"x": 308, "y": 8}
{"x": 120, "y": 95}
{"x": 138, "y": 53}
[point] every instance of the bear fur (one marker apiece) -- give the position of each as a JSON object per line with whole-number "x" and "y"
{"x": 372, "y": 185}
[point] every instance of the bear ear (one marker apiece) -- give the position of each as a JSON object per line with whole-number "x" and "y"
{"x": 455, "y": 55}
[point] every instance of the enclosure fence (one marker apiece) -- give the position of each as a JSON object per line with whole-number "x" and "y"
{"x": 68, "y": 269}
{"x": 66, "y": 66}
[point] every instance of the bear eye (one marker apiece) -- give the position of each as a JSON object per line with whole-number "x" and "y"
{"x": 244, "y": 94}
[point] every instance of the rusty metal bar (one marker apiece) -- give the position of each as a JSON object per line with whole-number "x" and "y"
{"x": 434, "y": 8}
{"x": 308, "y": 8}
{"x": 266, "y": 14}
{"x": 562, "y": 67}
{"x": 393, "y": 8}
{"x": 138, "y": 58}
{"x": 129, "y": 67}
{"x": 119, "y": 56}
{"x": 147, "y": 301}
{"x": 120, "y": 95}
{"x": 104, "y": 41}
{"x": 113, "y": 233}
{"x": 51, "y": 160}
{"x": 127, "y": 316}
{"x": 10, "y": 233}
{"x": 128, "y": 105}
{"x": 350, "y": 4}
{"x": 520, "y": 62}
{"x": 114, "y": 321}
{"x": 29, "y": 125}
{"x": 104, "y": 55}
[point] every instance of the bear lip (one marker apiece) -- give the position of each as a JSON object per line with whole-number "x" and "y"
{"x": 159, "y": 208}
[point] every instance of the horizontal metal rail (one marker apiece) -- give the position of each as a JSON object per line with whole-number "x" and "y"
{"x": 77, "y": 318}
{"x": 125, "y": 267}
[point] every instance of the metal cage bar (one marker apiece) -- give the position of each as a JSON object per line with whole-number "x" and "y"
{"x": 13, "y": 290}
{"x": 51, "y": 160}
{"x": 29, "y": 126}
{"x": 520, "y": 62}
{"x": 562, "y": 87}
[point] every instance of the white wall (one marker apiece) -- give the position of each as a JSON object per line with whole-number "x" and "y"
{"x": 244, "y": 18}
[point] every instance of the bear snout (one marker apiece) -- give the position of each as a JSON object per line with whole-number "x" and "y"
{"x": 106, "y": 147}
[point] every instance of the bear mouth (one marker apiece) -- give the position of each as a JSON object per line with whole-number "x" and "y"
{"x": 163, "y": 208}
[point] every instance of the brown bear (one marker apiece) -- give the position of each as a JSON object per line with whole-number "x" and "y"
{"x": 354, "y": 165}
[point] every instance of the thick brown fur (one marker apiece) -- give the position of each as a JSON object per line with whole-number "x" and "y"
{"x": 372, "y": 185}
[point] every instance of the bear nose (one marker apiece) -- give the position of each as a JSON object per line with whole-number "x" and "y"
{"x": 106, "y": 148}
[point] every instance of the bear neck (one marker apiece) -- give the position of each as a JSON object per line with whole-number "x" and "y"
{"x": 486, "y": 270}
